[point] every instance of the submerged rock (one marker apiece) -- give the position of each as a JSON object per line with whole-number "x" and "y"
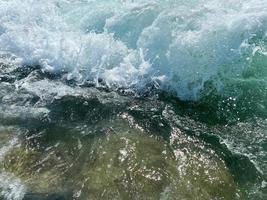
{"x": 123, "y": 163}
{"x": 136, "y": 166}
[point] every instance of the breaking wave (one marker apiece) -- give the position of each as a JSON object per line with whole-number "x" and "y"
{"x": 177, "y": 46}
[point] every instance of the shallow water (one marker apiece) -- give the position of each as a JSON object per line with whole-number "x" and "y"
{"x": 133, "y": 99}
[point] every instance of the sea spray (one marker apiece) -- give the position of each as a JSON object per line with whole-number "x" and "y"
{"x": 184, "y": 43}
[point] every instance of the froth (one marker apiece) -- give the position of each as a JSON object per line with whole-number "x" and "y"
{"x": 178, "y": 45}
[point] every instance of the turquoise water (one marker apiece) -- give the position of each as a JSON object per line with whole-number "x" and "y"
{"x": 140, "y": 99}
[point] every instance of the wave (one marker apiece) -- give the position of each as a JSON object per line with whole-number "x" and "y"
{"x": 178, "y": 46}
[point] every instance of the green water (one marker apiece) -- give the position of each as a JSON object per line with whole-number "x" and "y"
{"x": 88, "y": 143}
{"x": 133, "y": 99}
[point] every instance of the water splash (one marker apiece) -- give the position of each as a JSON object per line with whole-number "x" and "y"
{"x": 177, "y": 45}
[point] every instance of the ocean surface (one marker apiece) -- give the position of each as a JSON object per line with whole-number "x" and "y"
{"x": 133, "y": 99}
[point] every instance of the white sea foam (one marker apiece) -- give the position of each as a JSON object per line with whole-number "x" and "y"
{"x": 179, "y": 45}
{"x": 11, "y": 187}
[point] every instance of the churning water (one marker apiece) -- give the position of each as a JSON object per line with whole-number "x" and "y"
{"x": 133, "y": 99}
